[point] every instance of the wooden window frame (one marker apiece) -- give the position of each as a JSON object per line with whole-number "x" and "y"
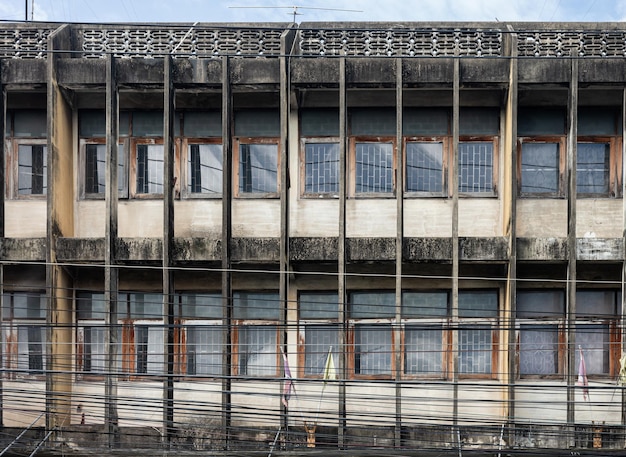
{"x": 303, "y": 142}
{"x": 83, "y": 143}
{"x": 12, "y": 167}
{"x": 562, "y": 144}
{"x": 495, "y": 168}
{"x": 182, "y": 145}
{"x": 238, "y": 141}
{"x": 353, "y": 140}
{"x": 615, "y": 165}
{"x": 445, "y": 175}
{"x": 236, "y": 352}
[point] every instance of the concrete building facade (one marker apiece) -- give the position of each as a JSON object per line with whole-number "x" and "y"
{"x": 196, "y": 217}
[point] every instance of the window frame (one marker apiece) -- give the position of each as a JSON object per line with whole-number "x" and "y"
{"x": 382, "y": 139}
{"x": 303, "y": 175}
{"x": 12, "y": 161}
{"x": 561, "y": 141}
{"x": 237, "y": 143}
{"x": 182, "y": 145}
{"x": 445, "y": 174}
{"x": 612, "y": 322}
{"x": 133, "y": 143}
{"x": 495, "y": 174}
{"x": 82, "y": 162}
{"x": 615, "y": 165}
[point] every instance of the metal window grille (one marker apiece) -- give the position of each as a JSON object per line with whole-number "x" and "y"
{"x": 423, "y": 350}
{"x": 424, "y": 167}
{"x": 321, "y": 168}
{"x": 592, "y": 168}
{"x": 372, "y": 349}
{"x": 374, "y": 167}
{"x": 476, "y": 167}
{"x": 318, "y": 339}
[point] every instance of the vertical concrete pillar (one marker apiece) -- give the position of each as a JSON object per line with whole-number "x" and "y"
{"x": 227, "y": 286}
{"x": 399, "y": 243}
{"x": 509, "y": 201}
{"x": 60, "y": 223}
{"x": 168, "y": 241}
{"x": 3, "y": 110}
{"x": 570, "y": 173}
{"x": 454, "y": 187}
{"x": 111, "y": 274}
{"x": 341, "y": 254}
{"x": 283, "y": 266}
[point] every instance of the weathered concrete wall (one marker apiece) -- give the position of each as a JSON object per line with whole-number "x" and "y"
{"x": 426, "y": 217}
{"x": 370, "y": 218}
{"x": 25, "y": 219}
{"x": 141, "y": 219}
{"x": 256, "y": 218}
{"x": 23, "y": 402}
{"x": 541, "y": 218}
{"x": 90, "y": 219}
{"x": 198, "y": 218}
{"x": 314, "y": 218}
{"x": 599, "y": 217}
{"x": 479, "y": 217}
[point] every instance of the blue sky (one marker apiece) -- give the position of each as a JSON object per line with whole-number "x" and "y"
{"x": 268, "y": 11}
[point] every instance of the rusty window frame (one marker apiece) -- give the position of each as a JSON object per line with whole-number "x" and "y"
{"x": 352, "y": 165}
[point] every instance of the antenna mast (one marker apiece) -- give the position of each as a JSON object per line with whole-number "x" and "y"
{"x": 294, "y": 9}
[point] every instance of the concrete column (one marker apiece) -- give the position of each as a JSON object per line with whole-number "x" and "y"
{"x": 399, "y": 242}
{"x": 60, "y": 223}
{"x": 454, "y": 188}
{"x": 341, "y": 254}
{"x": 509, "y": 199}
{"x": 111, "y": 273}
{"x": 227, "y": 286}
{"x": 168, "y": 241}
{"x": 570, "y": 173}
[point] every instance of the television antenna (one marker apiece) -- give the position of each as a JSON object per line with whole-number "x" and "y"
{"x": 295, "y": 9}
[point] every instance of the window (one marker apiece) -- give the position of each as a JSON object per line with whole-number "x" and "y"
{"x": 95, "y": 169}
{"x": 25, "y": 333}
{"x": 149, "y": 166}
{"x": 318, "y": 321}
{"x": 543, "y": 338}
{"x": 429, "y": 151}
{"x": 202, "y": 144}
{"x": 372, "y": 314}
{"x": 542, "y": 152}
{"x": 425, "y": 167}
{"x": 257, "y": 158}
{"x": 425, "y": 333}
{"x": 598, "y": 162}
{"x": 140, "y": 333}
{"x": 256, "y": 315}
{"x": 27, "y": 156}
{"x": 319, "y": 130}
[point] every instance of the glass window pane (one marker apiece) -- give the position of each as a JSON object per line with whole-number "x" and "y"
{"x": 540, "y": 168}
{"x": 30, "y": 124}
{"x": 259, "y": 123}
{"x": 204, "y": 169}
{"x": 318, "y": 340}
{"x": 424, "y": 304}
{"x": 374, "y": 167}
{"x": 592, "y": 168}
{"x": 594, "y": 341}
{"x": 150, "y": 168}
{"x": 201, "y": 306}
{"x": 370, "y": 305}
{"x": 31, "y": 349}
{"x": 319, "y": 305}
{"x": 321, "y": 168}
{"x": 258, "y": 168}
{"x": 538, "y": 349}
{"x": 256, "y": 305}
{"x": 95, "y": 169}
{"x": 476, "y": 167}
{"x": 372, "y": 349}
{"x": 597, "y": 303}
{"x": 478, "y": 303}
{"x": 32, "y": 169}
{"x": 423, "y": 350}
{"x": 90, "y": 305}
{"x": 257, "y": 351}
{"x": 373, "y": 121}
{"x": 319, "y": 122}
{"x": 203, "y": 124}
{"x": 475, "y": 350}
{"x": 147, "y": 123}
{"x": 598, "y": 121}
{"x": 94, "y": 350}
{"x": 149, "y": 349}
{"x": 540, "y": 303}
{"x": 146, "y": 306}
{"x": 29, "y": 305}
{"x": 424, "y": 167}
{"x": 479, "y": 121}
{"x": 425, "y": 121}
{"x": 204, "y": 350}
{"x": 541, "y": 121}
